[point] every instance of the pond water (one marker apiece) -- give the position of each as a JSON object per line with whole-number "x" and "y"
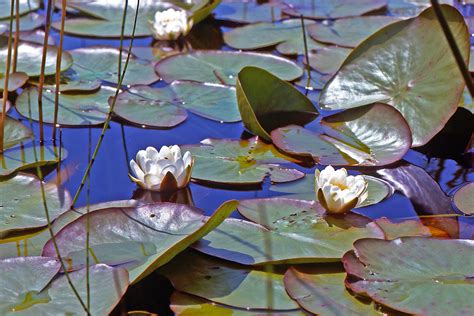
{"x": 109, "y": 180}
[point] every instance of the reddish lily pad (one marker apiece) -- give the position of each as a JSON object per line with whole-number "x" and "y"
{"x": 373, "y": 135}
{"x": 240, "y": 162}
{"x": 331, "y": 9}
{"x": 422, "y": 276}
{"x": 464, "y": 199}
{"x": 425, "y": 85}
{"x": 139, "y": 238}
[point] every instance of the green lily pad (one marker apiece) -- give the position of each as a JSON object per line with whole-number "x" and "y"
{"x": 328, "y": 60}
{"x": 464, "y": 199}
{"x": 29, "y": 59}
{"x": 410, "y": 8}
{"x": 15, "y": 80}
{"x": 240, "y": 162}
{"x": 222, "y": 66}
{"x": 349, "y": 32}
{"x": 14, "y": 132}
{"x": 101, "y": 63}
{"x": 378, "y": 190}
{"x": 25, "y": 289}
{"x": 248, "y": 12}
{"x": 425, "y": 86}
{"x": 185, "y": 304}
{"x": 228, "y": 283}
{"x": 25, "y": 7}
{"x": 139, "y": 238}
{"x": 16, "y": 159}
{"x": 331, "y": 9}
{"x": 286, "y": 231}
{"x": 264, "y": 99}
{"x": 422, "y": 276}
{"x": 287, "y": 35}
{"x": 317, "y": 81}
{"x": 28, "y": 22}
{"x": 70, "y": 82}
{"x": 22, "y": 203}
{"x": 166, "y": 106}
{"x": 73, "y": 109}
{"x": 373, "y": 135}
{"x": 324, "y": 293}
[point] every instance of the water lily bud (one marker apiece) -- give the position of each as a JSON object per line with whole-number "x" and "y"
{"x": 170, "y": 24}
{"x": 162, "y": 171}
{"x": 338, "y": 192}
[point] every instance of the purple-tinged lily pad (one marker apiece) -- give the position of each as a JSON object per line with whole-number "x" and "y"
{"x": 373, "y": 135}
{"x": 464, "y": 199}
{"x": 240, "y": 162}
{"x": 414, "y": 275}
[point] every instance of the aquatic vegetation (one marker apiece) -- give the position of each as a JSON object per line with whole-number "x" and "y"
{"x": 170, "y": 24}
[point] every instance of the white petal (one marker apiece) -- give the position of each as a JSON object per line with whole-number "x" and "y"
{"x": 338, "y": 177}
{"x": 152, "y": 153}
{"x": 141, "y": 157}
{"x": 136, "y": 170}
{"x": 187, "y": 159}
{"x": 152, "y": 180}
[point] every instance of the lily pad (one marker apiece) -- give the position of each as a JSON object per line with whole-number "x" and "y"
{"x": 464, "y": 199}
{"x": 324, "y": 293}
{"x": 331, "y": 9}
{"x": 317, "y": 81}
{"x": 248, "y": 12}
{"x": 29, "y": 59}
{"x": 425, "y": 86}
{"x": 166, "y": 106}
{"x": 349, "y": 32}
{"x": 28, "y": 22}
{"x": 378, "y": 190}
{"x": 70, "y": 82}
{"x": 373, "y": 135}
{"x": 286, "y": 231}
{"x": 25, "y": 7}
{"x": 25, "y": 288}
{"x": 228, "y": 283}
{"x": 329, "y": 59}
{"x": 139, "y": 238}
{"x": 222, "y": 66}
{"x": 422, "y": 276}
{"x": 240, "y": 162}
{"x": 16, "y": 159}
{"x": 15, "y": 80}
{"x": 287, "y": 35}
{"x": 101, "y": 63}
{"x": 264, "y": 99}
{"x": 410, "y": 8}
{"x": 14, "y": 132}
{"x": 22, "y": 203}
{"x": 73, "y": 109}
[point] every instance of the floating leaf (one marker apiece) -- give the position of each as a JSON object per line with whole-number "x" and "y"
{"x": 25, "y": 6}
{"x": 228, "y": 283}
{"x": 15, "y": 81}
{"x": 327, "y": 60}
{"x": 378, "y": 190}
{"x": 264, "y": 99}
{"x": 244, "y": 162}
{"x": 349, "y": 32}
{"x": 16, "y": 159}
{"x": 73, "y": 109}
{"x": 22, "y": 203}
{"x": 425, "y": 85}
{"x": 317, "y": 82}
{"x": 166, "y": 106}
{"x": 409, "y": 8}
{"x": 26, "y": 289}
{"x": 101, "y": 63}
{"x": 14, "y": 132}
{"x": 286, "y": 231}
{"x": 140, "y": 238}
{"x": 29, "y": 59}
{"x": 28, "y": 22}
{"x": 287, "y": 35}
{"x": 324, "y": 293}
{"x": 373, "y": 135}
{"x": 406, "y": 228}
{"x": 248, "y": 12}
{"x": 331, "y": 9}
{"x": 70, "y": 81}
{"x": 464, "y": 199}
{"x": 222, "y": 66}
{"x": 422, "y": 276}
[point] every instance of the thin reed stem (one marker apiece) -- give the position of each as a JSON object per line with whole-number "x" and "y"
{"x": 122, "y": 31}
{"x": 88, "y": 286}
{"x": 306, "y": 53}
{"x": 17, "y": 34}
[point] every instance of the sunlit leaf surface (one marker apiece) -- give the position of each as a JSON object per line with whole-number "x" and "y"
{"x": 464, "y": 199}
{"x": 326, "y": 9}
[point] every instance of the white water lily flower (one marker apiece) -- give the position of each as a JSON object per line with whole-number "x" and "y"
{"x": 338, "y": 192}
{"x": 170, "y": 24}
{"x": 162, "y": 171}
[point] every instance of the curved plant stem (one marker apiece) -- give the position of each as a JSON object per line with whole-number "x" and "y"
{"x": 7, "y": 76}
{"x": 111, "y": 110}
{"x": 43, "y": 64}
{"x": 17, "y": 34}
{"x": 454, "y": 47}
{"x": 58, "y": 68}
